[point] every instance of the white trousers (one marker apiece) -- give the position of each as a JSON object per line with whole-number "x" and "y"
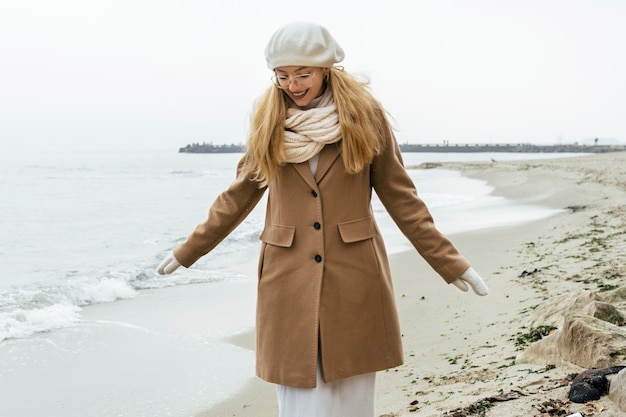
{"x": 350, "y": 397}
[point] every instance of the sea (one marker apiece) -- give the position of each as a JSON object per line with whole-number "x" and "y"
{"x": 83, "y": 229}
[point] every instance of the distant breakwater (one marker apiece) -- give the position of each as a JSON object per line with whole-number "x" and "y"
{"x": 505, "y": 147}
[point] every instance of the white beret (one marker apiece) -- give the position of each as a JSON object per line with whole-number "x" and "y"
{"x": 303, "y": 44}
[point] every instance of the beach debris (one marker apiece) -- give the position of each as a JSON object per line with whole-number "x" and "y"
{"x": 575, "y": 209}
{"x": 526, "y": 273}
{"x": 475, "y": 409}
{"x": 523, "y": 340}
{"x": 513, "y": 395}
{"x": 614, "y": 271}
{"x": 553, "y": 407}
{"x": 479, "y": 408}
{"x": 616, "y": 296}
{"x": 591, "y": 384}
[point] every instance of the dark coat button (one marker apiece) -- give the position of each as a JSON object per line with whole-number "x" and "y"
{"x": 314, "y": 193}
{"x": 317, "y": 226}
{"x": 318, "y": 258}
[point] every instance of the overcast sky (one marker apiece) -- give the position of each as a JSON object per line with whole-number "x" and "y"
{"x": 142, "y": 75}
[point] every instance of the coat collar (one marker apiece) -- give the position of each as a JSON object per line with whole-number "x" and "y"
{"x": 328, "y": 155}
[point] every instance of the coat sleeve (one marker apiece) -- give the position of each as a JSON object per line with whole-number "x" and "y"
{"x": 397, "y": 192}
{"x": 230, "y": 208}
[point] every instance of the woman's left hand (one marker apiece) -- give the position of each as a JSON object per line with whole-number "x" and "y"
{"x": 169, "y": 265}
{"x": 474, "y": 280}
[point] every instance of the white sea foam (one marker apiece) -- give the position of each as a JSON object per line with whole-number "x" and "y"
{"x": 23, "y": 323}
{"x": 34, "y": 309}
{"x": 104, "y": 291}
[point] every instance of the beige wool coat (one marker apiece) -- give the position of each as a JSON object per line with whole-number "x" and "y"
{"x": 324, "y": 281}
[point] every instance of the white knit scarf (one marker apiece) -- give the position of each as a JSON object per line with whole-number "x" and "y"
{"x": 308, "y": 131}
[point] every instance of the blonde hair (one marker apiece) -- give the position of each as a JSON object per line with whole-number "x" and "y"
{"x": 364, "y": 127}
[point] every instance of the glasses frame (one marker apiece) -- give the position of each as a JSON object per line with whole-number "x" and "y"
{"x": 297, "y": 79}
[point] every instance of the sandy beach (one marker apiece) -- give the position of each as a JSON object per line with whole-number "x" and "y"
{"x": 460, "y": 349}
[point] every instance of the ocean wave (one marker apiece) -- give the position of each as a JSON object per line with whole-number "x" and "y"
{"x": 44, "y": 307}
{"x": 34, "y": 309}
{"x": 26, "y": 322}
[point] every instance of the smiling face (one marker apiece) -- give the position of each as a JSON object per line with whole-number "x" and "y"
{"x": 301, "y": 84}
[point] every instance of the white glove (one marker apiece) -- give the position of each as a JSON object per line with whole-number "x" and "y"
{"x": 169, "y": 265}
{"x": 474, "y": 280}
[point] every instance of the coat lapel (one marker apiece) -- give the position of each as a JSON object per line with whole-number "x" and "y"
{"x": 305, "y": 172}
{"x": 328, "y": 155}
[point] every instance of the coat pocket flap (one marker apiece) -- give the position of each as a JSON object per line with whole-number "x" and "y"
{"x": 356, "y": 230}
{"x": 277, "y": 235}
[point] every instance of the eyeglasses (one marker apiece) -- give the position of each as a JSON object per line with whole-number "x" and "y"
{"x": 301, "y": 80}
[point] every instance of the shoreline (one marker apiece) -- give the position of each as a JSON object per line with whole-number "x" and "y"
{"x": 460, "y": 347}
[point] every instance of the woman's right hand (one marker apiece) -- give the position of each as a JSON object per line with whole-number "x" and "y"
{"x": 169, "y": 265}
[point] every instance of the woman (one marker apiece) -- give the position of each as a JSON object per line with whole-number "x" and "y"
{"x": 326, "y": 316}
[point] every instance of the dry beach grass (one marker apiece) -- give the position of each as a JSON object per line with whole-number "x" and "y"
{"x": 460, "y": 349}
